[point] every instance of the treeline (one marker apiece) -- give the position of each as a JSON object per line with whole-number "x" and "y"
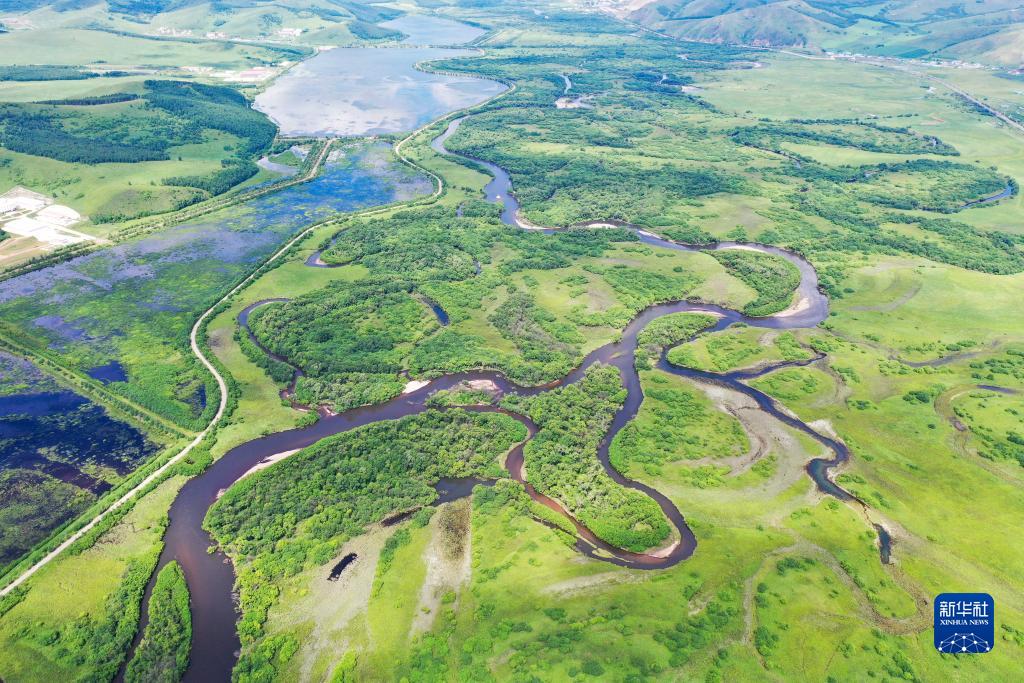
{"x": 233, "y": 172}
{"x": 856, "y": 231}
{"x": 773, "y": 278}
{"x": 41, "y": 134}
{"x": 369, "y": 13}
{"x": 368, "y": 31}
{"x": 350, "y": 339}
{"x": 561, "y": 460}
{"x": 216, "y": 107}
{"x": 162, "y": 655}
{"x": 550, "y": 346}
{"x": 859, "y": 135}
{"x": 926, "y": 184}
{"x": 278, "y": 371}
{"x": 173, "y": 113}
{"x": 96, "y": 100}
{"x": 538, "y": 251}
{"x": 431, "y": 244}
{"x": 98, "y": 643}
{"x": 43, "y": 72}
{"x": 575, "y": 186}
{"x": 671, "y": 329}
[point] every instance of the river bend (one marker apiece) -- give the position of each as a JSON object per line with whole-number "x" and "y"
{"x": 210, "y": 575}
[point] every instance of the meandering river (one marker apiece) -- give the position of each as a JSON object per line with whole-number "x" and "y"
{"x": 210, "y": 576}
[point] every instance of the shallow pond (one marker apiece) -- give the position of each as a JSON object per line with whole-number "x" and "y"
{"x": 57, "y": 450}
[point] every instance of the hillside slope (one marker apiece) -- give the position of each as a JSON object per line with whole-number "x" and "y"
{"x": 987, "y": 31}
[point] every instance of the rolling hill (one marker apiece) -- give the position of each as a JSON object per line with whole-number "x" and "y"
{"x": 987, "y": 31}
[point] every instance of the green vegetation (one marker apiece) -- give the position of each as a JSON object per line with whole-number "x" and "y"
{"x": 44, "y": 72}
{"x": 162, "y": 655}
{"x": 368, "y": 31}
{"x": 738, "y": 347}
{"x": 669, "y": 330}
{"x": 784, "y": 583}
{"x": 274, "y": 529}
{"x": 351, "y": 339}
{"x": 940, "y": 30}
{"x": 408, "y": 455}
{"x": 185, "y": 126}
{"x": 82, "y": 611}
{"x": 60, "y": 452}
{"x": 772, "y": 277}
{"x": 348, "y": 340}
{"x": 676, "y": 422}
{"x": 510, "y": 292}
{"x": 561, "y": 461}
{"x": 865, "y": 135}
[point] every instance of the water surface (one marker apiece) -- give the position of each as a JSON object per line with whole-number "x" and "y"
{"x": 424, "y": 29}
{"x": 58, "y": 450}
{"x": 149, "y": 291}
{"x": 368, "y": 91}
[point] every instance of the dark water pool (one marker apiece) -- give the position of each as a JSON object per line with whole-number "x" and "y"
{"x": 110, "y": 372}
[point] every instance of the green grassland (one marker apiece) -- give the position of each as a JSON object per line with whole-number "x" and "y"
{"x": 984, "y": 31}
{"x": 117, "y": 155}
{"x": 676, "y": 423}
{"x": 764, "y": 507}
{"x": 538, "y": 305}
{"x": 82, "y": 611}
{"x": 83, "y": 47}
{"x": 122, "y": 56}
{"x": 739, "y": 348}
{"x": 785, "y": 583}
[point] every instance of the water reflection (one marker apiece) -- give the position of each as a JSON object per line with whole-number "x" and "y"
{"x": 368, "y": 91}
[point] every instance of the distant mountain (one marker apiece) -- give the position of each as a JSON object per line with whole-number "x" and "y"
{"x": 982, "y": 30}
{"x": 128, "y": 7}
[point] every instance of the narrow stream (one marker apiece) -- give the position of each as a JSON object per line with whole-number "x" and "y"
{"x": 210, "y": 575}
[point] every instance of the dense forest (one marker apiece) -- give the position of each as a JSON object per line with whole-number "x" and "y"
{"x": 350, "y": 340}
{"x": 48, "y": 72}
{"x": 561, "y": 460}
{"x": 865, "y": 135}
{"x": 162, "y": 655}
{"x": 772, "y": 277}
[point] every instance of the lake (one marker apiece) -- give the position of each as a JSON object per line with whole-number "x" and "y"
{"x": 423, "y": 29}
{"x": 373, "y": 91}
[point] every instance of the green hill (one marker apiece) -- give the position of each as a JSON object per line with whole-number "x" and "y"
{"x": 987, "y": 31}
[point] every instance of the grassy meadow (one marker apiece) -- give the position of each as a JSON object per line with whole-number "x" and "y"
{"x": 862, "y": 170}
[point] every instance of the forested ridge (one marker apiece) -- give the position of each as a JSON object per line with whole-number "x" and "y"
{"x": 137, "y": 127}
